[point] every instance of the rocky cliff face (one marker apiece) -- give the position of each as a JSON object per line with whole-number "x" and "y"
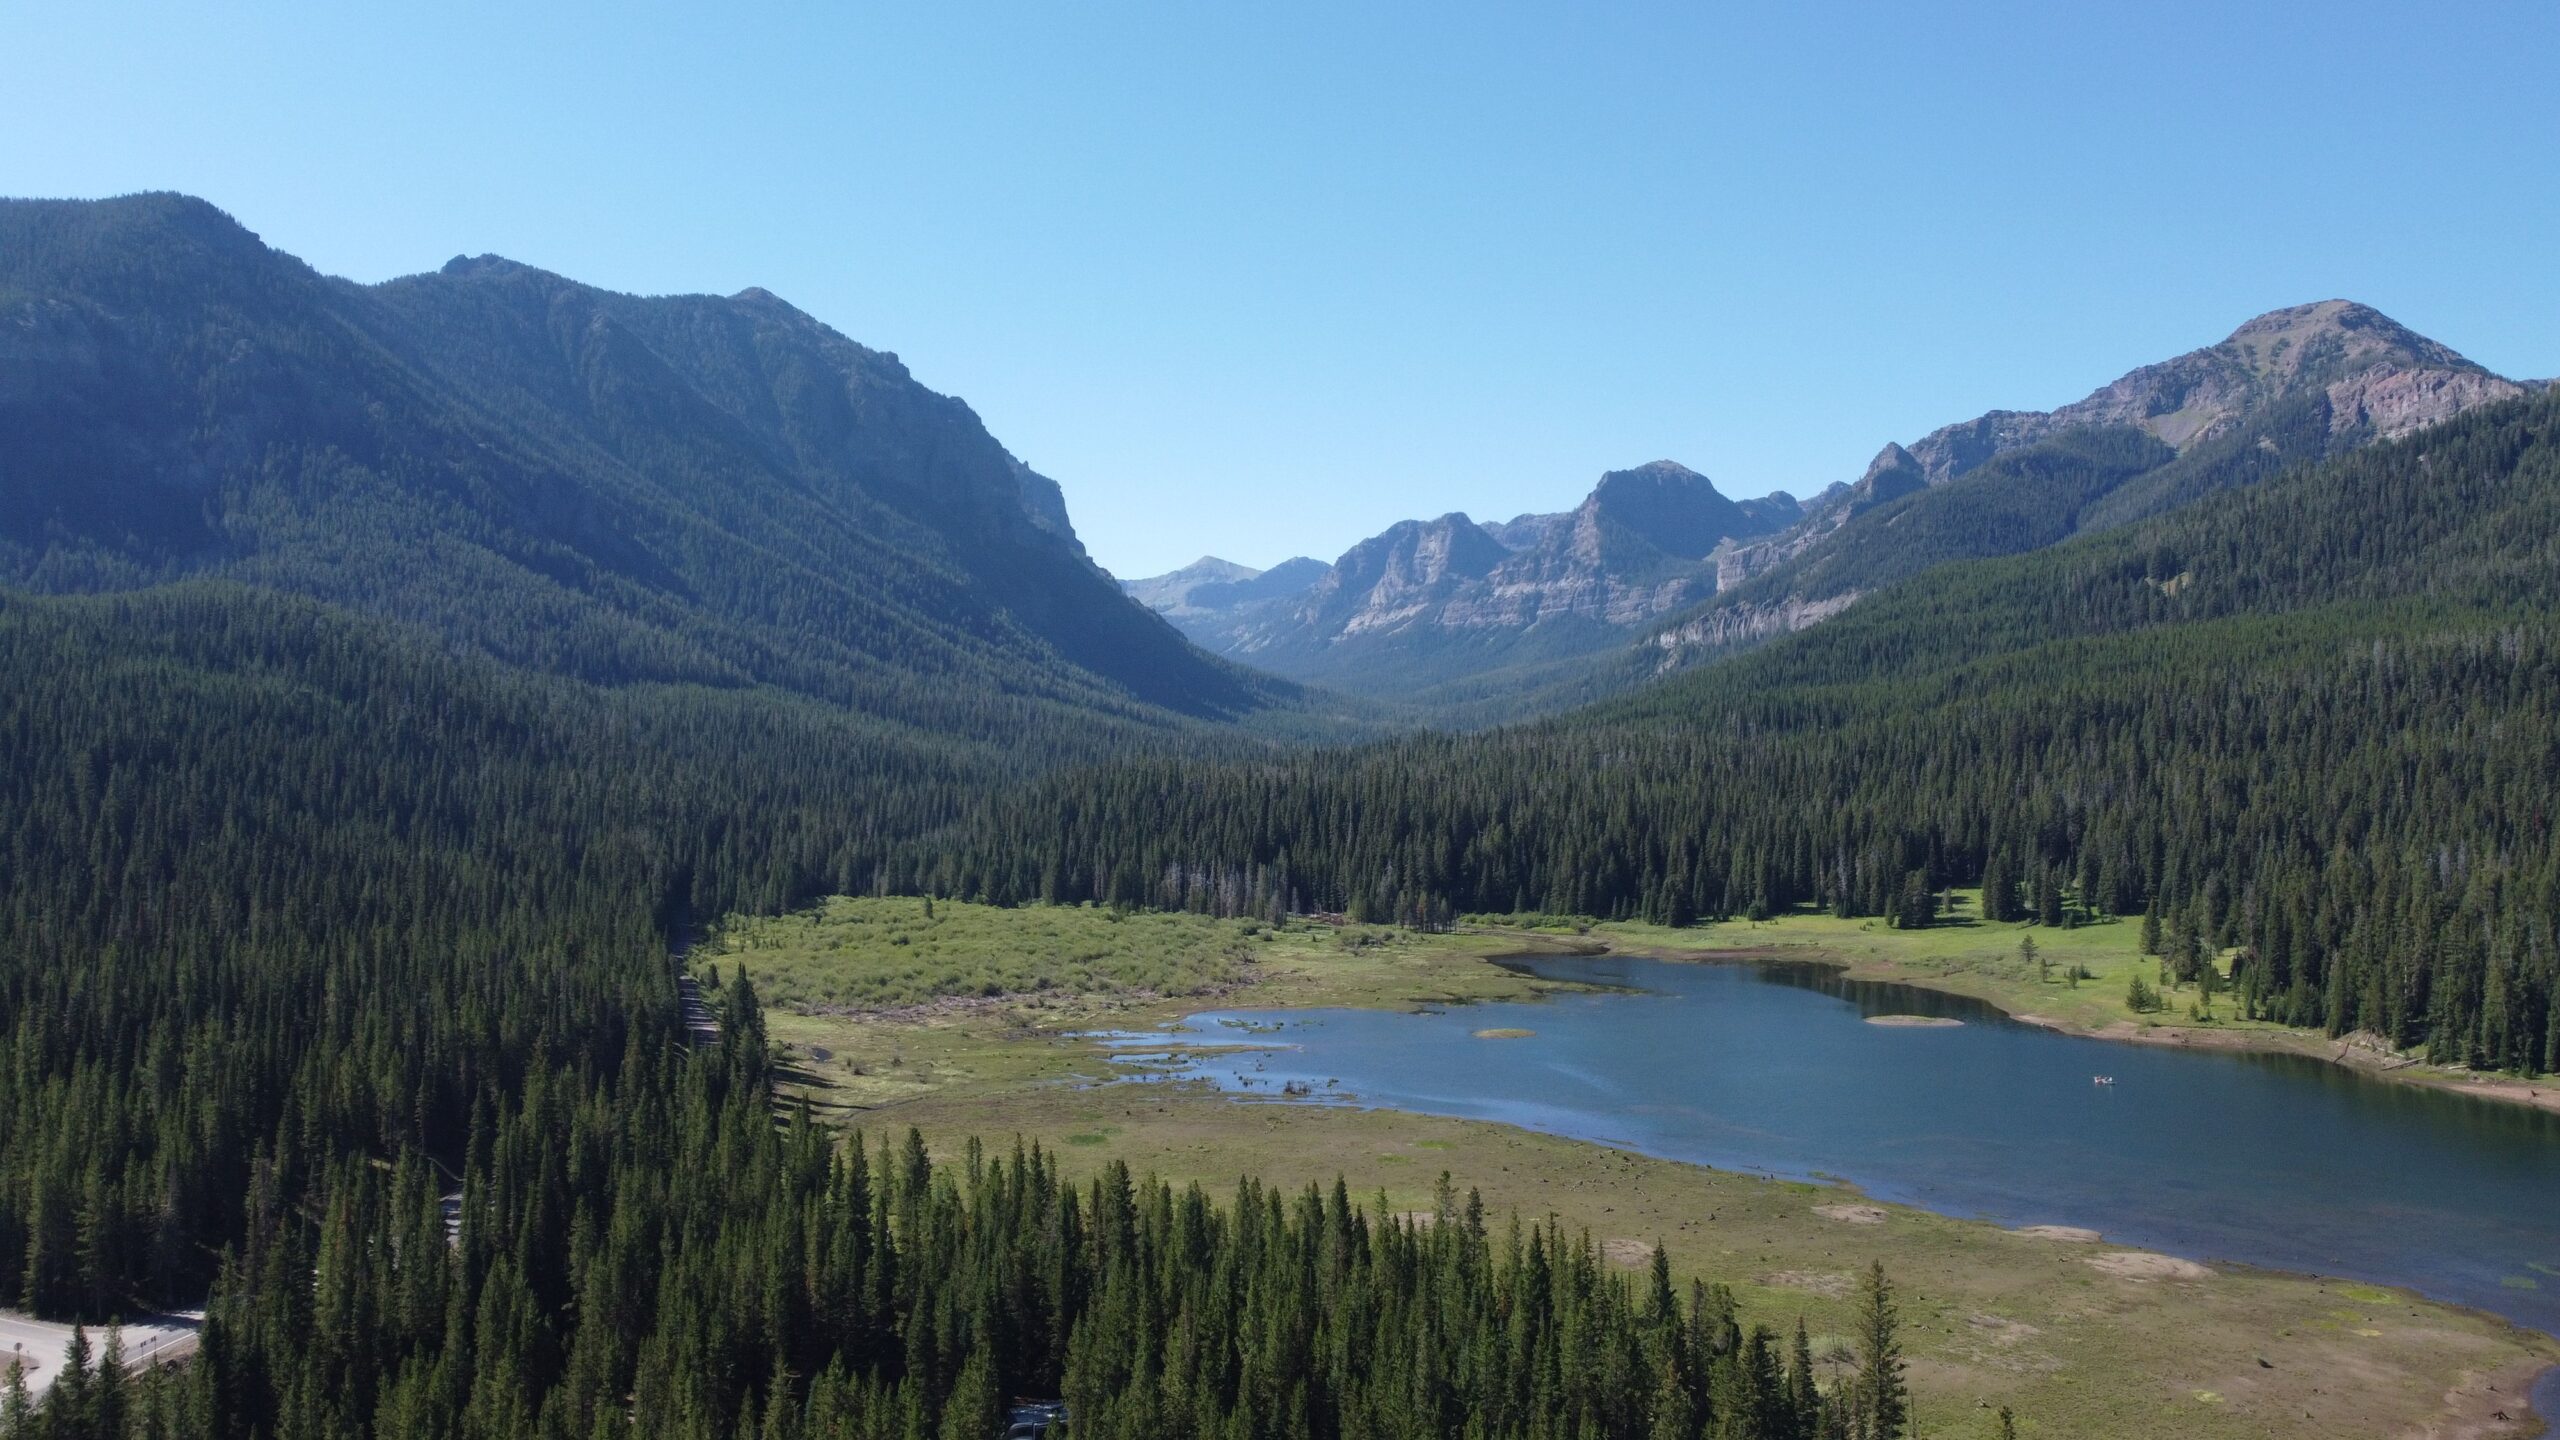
{"x": 1394, "y": 578}
{"x": 1426, "y": 599}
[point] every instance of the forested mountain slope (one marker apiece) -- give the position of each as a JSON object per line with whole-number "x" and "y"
{"x": 2289, "y": 387}
{"x": 424, "y": 657}
{"x": 313, "y": 930}
{"x": 682, "y": 489}
{"x": 2318, "y": 718}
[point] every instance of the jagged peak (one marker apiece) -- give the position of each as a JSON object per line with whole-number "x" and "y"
{"x": 1891, "y": 457}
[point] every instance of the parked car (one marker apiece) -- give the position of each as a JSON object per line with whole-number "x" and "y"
{"x": 1036, "y": 1420}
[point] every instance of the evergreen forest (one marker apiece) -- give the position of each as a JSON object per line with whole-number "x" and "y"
{"x": 398, "y": 678}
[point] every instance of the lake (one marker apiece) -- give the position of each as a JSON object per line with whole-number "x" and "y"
{"x": 2278, "y": 1161}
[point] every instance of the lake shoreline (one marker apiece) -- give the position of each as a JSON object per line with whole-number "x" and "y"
{"x": 2011, "y": 1315}
{"x": 2346, "y": 1053}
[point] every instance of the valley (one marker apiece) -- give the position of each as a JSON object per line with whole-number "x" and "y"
{"x": 402, "y": 671}
{"x": 2001, "y": 1316}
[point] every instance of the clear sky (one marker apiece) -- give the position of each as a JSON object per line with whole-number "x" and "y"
{"x": 1260, "y": 280}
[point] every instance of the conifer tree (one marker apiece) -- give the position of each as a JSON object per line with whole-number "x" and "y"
{"x": 1881, "y": 1400}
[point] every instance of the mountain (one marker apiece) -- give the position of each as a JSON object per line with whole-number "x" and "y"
{"x": 2289, "y": 387}
{"x": 1215, "y": 601}
{"x": 1522, "y": 532}
{"x": 610, "y": 488}
{"x": 1429, "y": 603}
{"x": 1172, "y": 590}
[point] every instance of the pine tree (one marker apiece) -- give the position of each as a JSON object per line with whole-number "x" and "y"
{"x": 15, "y": 1408}
{"x": 1999, "y": 891}
{"x": 1881, "y": 1400}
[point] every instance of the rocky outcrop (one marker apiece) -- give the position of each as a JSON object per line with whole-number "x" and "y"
{"x": 1641, "y": 544}
{"x": 1733, "y": 626}
{"x": 2396, "y": 402}
{"x": 1523, "y": 532}
{"x": 1392, "y": 579}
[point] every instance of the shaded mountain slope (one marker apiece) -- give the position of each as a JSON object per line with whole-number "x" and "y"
{"x": 680, "y": 489}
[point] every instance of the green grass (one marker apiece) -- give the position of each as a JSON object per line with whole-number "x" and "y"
{"x": 886, "y": 954}
{"x": 1994, "y": 1318}
{"x": 1963, "y": 954}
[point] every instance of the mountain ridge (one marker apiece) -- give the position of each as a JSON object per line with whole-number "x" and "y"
{"x": 690, "y": 488}
{"x": 2288, "y": 386}
{"x": 1433, "y": 599}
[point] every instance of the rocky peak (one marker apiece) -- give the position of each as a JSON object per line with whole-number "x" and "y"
{"x": 1390, "y": 578}
{"x": 1665, "y": 504}
{"x": 1774, "y": 511}
{"x": 1173, "y": 590}
{"x": 1893, "y": 474}
{"x": 2284, "y": 344}
{"x": 2347, "y": 349}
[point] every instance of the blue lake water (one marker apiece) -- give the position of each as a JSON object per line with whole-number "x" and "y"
{"x": 2278, "y": 1161}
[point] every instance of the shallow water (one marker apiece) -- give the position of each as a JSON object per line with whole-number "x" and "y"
{"x": 2278, "y": 1161}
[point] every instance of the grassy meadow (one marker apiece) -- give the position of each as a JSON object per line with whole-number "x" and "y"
{"x": 979, "y": 1025}
{"x": 2082, "y": 982}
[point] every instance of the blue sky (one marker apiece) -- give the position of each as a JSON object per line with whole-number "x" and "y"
{"x": 1261, "y": 280}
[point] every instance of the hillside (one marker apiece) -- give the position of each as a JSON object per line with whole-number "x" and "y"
{"x": 685, "y": 489}
{"x": 2312, "y": 718}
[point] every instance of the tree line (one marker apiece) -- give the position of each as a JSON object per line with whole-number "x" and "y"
{"x": 645, "y": 1251}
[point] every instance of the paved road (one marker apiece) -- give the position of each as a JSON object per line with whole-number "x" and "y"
{"x": 39, "y": 1345}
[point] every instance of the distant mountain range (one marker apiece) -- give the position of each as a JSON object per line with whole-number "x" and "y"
{"x": 1658, "y": 569}
{"x": 1430, "y": 600}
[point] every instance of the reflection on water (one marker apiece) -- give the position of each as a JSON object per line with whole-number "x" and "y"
{"x": 2274, "y": 1160}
